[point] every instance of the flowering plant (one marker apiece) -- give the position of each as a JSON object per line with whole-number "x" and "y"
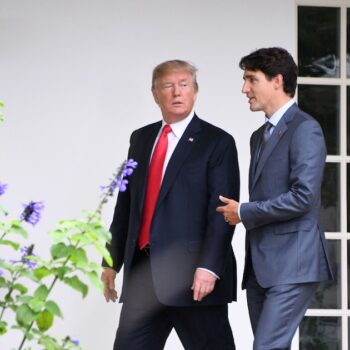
{"x": 26, "y": 282}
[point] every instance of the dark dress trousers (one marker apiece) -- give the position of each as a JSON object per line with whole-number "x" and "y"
{"x": 186, "y": 233}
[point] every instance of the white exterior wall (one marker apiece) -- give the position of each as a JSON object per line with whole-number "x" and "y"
{"x": 75, "y": 76}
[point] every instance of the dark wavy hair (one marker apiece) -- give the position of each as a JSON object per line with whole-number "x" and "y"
{"x": 273, "y": 61}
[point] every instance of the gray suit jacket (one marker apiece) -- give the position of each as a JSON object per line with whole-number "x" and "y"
{"x": 284, "y": 237}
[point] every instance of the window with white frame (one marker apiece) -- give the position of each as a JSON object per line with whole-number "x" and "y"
{"x": 323, "y": 43}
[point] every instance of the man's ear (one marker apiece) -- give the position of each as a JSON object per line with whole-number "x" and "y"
{"x": 278, "y": 81}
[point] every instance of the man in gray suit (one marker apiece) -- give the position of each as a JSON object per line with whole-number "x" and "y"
{"x": 285, "y": 246}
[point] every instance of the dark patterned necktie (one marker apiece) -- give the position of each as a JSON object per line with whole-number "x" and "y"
{"x": 265, "y": 137}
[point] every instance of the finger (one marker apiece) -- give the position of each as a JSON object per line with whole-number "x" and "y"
{"x": 225, "y": 200}
{"x": 221, "y": 210}
{"x": 106, "y": 295}
{"x": 110, "y": 295}
{"x": 196, "y": 293}
{"x": 113, "y": 295}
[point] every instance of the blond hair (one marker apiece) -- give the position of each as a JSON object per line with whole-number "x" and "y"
{"x": 174, "y": 66}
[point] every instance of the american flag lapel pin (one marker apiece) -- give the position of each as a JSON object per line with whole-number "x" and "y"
{"x": 190, "y": 139}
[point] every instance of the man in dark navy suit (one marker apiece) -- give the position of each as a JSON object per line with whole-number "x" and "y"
{"x": 179, "y": 267}
{"x": 286, "y": 248}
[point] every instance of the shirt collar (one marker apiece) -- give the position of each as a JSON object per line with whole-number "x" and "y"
{"x": 179, "y": 128}
{"x": 275, "y": 118}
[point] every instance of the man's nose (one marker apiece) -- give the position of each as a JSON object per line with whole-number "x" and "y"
{"x": 176, "y": 90}
{"x": 245, "y": 88}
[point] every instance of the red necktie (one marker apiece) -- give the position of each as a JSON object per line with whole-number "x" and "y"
{"x": 153, "y": 186}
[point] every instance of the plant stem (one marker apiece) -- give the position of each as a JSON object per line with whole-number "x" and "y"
{"x": 6, "y": 303}
{"x": 98, "y": 212}
{"x": 49, "y": 291}
{"x": 14, "y": 279}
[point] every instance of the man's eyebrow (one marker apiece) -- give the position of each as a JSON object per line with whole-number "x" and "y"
{"x": 249, "y": 75}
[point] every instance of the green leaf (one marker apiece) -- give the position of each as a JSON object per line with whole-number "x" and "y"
{"x": 60, "y": 250}
{"x": 3, "y": 283}
{"x": 42, "y": 272}
{"x": 102, "y": 233}
{"x": 25, "y": 299}
{"x": 79, "y": 257}
{"x": 81, "y": 237}
{"x": 25, "y": 315}
{"x": 77, "y": 284}
{"x": 3, "y": 327}
{"x": 49, "y": 343}
{"x": 58, "y": 235}
{"x": 2, "y": 105}
{"x": 8, "y": 298}
{"x": 36, "y": 305}
{"x": 16, "y": 227}
{"x": 20, "y": 287}
{"x": 53, "y": 308}
{"x": 105, "y": 253}
{"x": 41, "y": 292}
{"x": 60, "y": 272}
{"x": 95, "y": 280}
{"x": 7, "y": 242}
{"x": 45, "y": 320}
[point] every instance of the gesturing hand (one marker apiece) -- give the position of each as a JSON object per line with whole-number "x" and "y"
{"x": 229, "y": 211}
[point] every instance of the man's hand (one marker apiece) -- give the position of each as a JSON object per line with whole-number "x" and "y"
{"x": 203, "y": 284}
{"x": 229, "y": 211}
{"x": 108, "y": 276}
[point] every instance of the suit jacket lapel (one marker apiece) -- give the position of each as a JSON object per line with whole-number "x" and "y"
{"x": 181, "y": 152}
{"x": 276, "y": 135}
{"x": 255, "y": 145}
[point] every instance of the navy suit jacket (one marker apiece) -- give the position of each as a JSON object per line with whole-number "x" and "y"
{"x": 186, "y": 231}
{"x": 284, "y": 237}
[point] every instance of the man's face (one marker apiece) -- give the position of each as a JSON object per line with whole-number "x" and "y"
{"x": 260, "y": 91}
{"x": 175, "y": 94}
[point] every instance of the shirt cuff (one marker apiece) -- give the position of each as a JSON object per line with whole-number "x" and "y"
{"x": 211, "y": 272}
{"x": 239, "y": 211}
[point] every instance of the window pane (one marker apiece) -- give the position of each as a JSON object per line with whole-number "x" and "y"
{"x": 328, "y": 294}
{"x": 348, "y": 195}
{"x": 348, "y": 44}
{"x": 320, "y": 333}
{"x": 322, "y": 102}
{"x": 318, "y": 41}
{"x": 349, "y": 278}
{"x": 348, "y": 119}
{"x": 330, "y": 198}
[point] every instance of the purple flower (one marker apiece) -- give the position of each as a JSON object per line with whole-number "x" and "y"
{"x": 122, "y": 184}
{"x": 26, "y": 252}
{"x": 69, "y": 339}
{"x": 32, "y": 212}
{"x": 118, "y": 181}
{"x": 3, "y": 188}
{"x": 1, "y": 272}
